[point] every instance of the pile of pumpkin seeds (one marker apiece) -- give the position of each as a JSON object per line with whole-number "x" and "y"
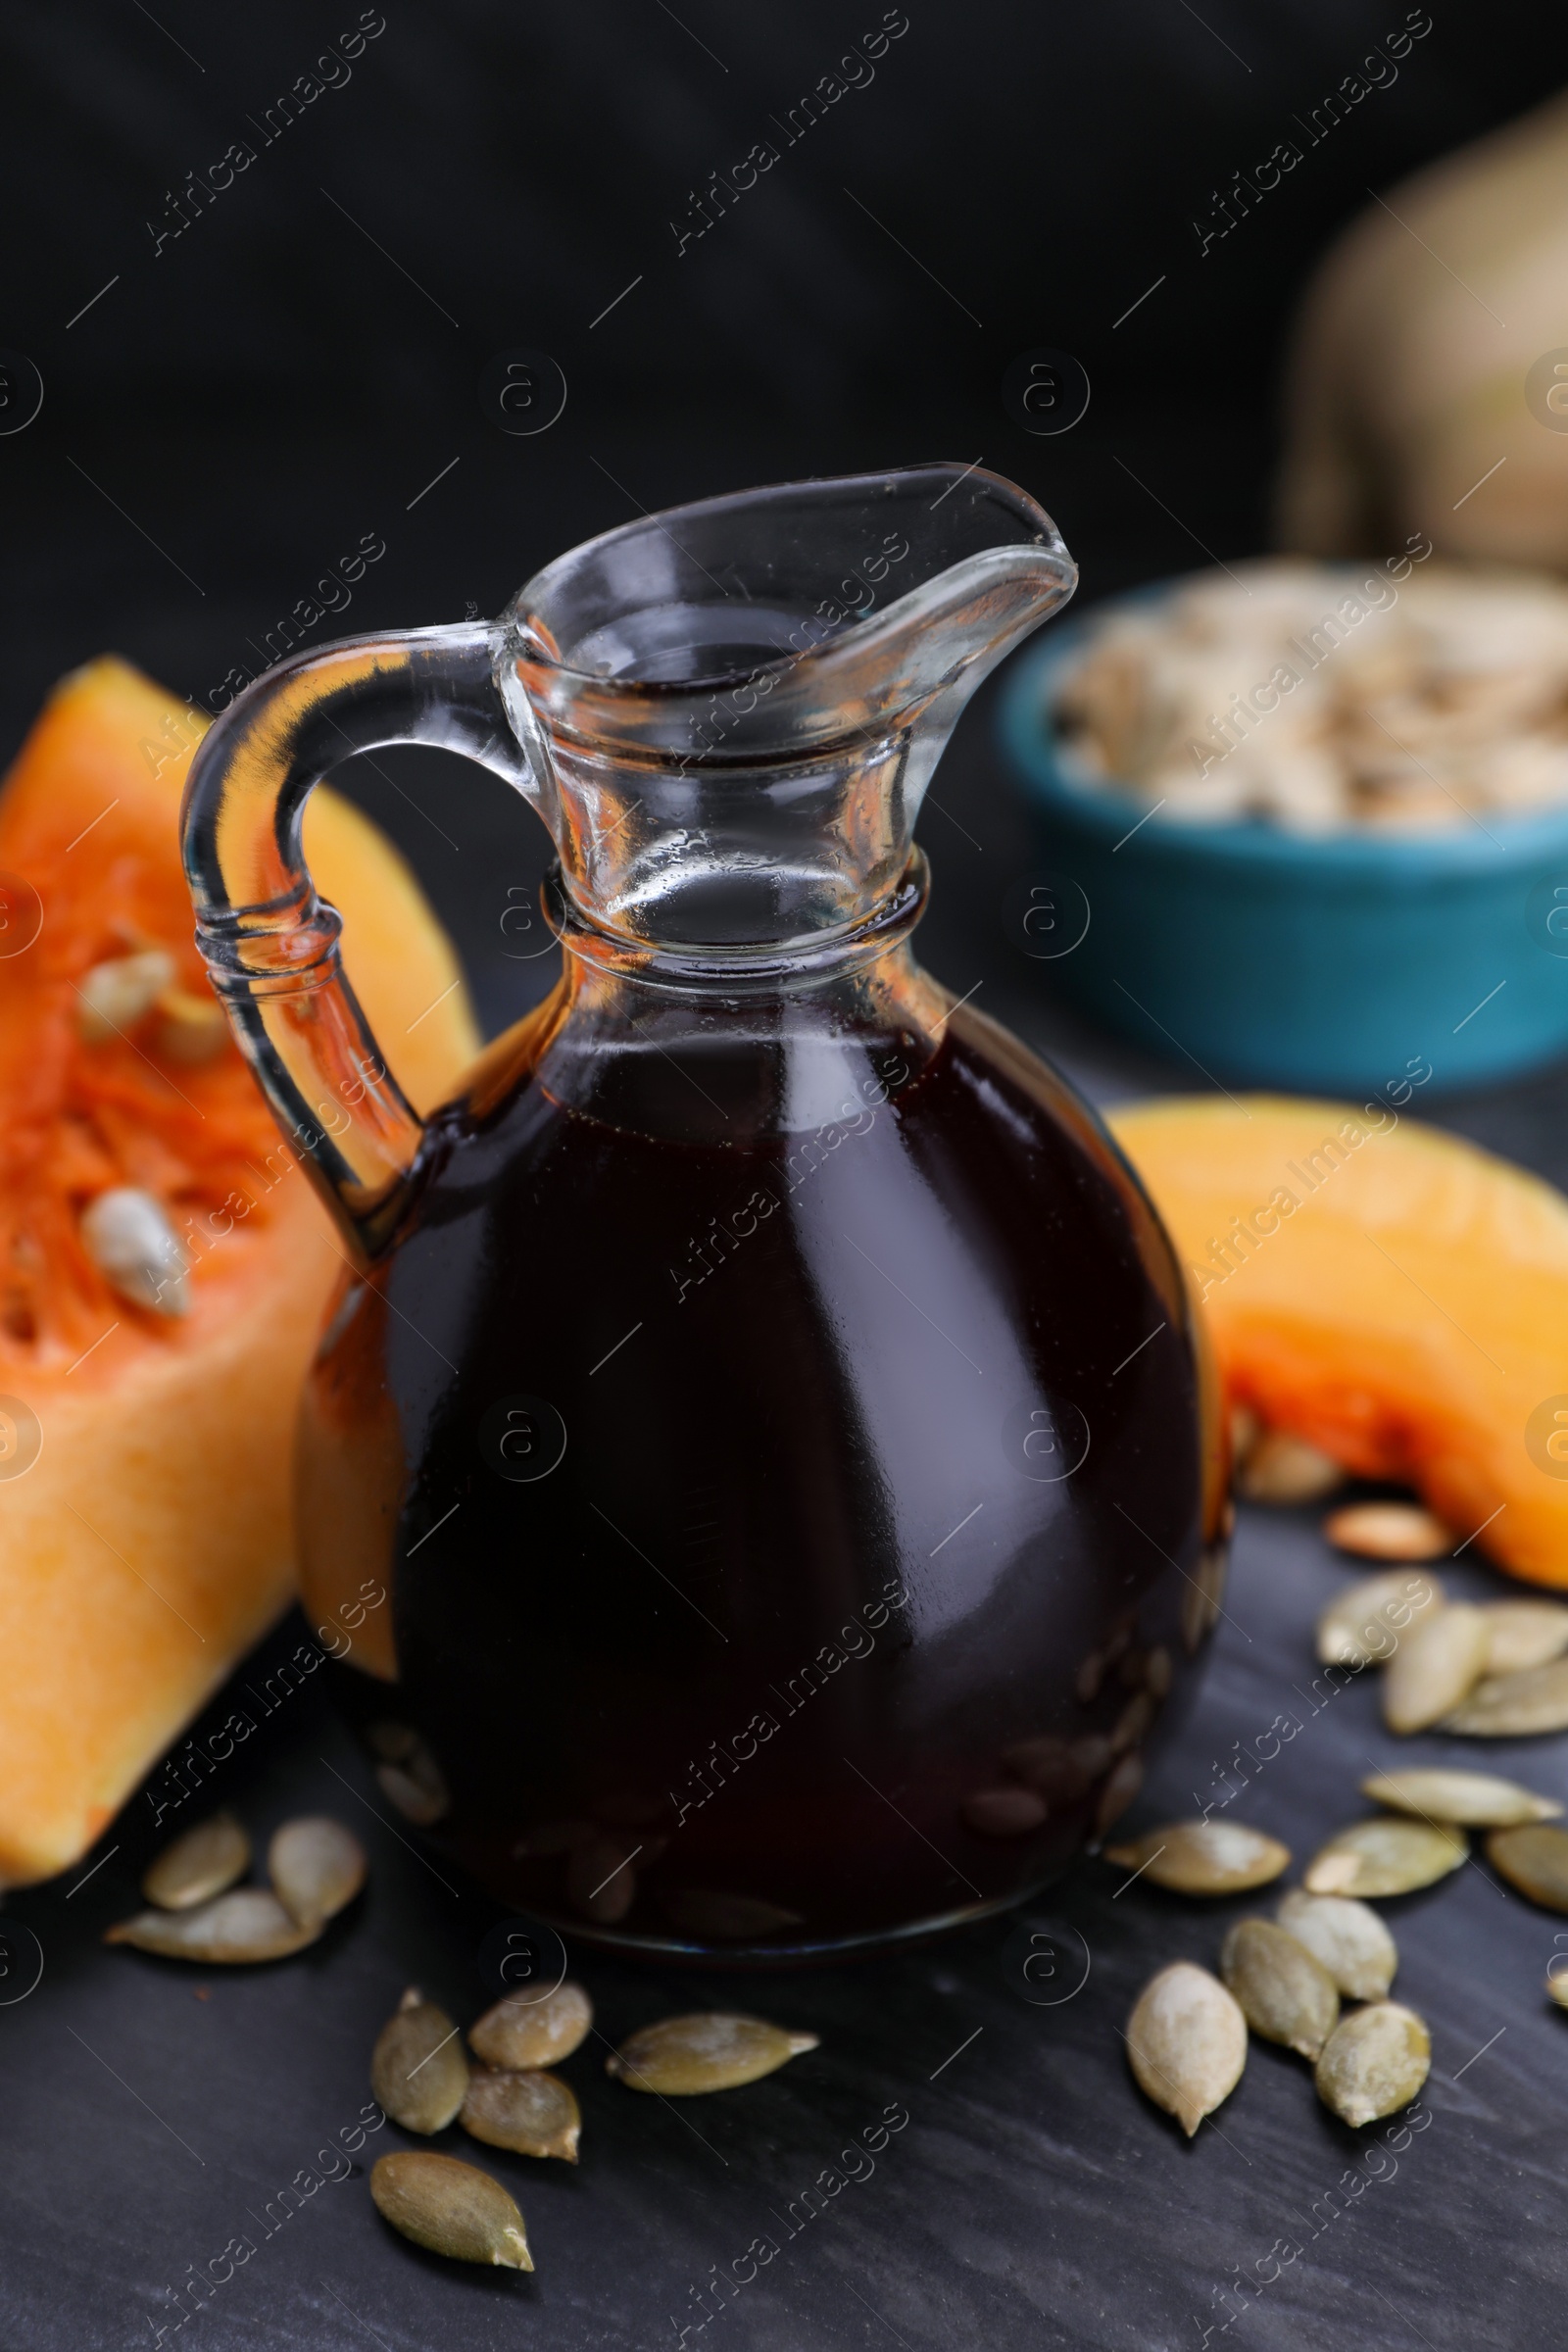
{"x": 422, "y": 2080}
{"x": 1282, "y": 1979}
{"x": 1492, "y": 1670}
{"x": 1187, "y": 2037}
{"x": 198, "y": 1911}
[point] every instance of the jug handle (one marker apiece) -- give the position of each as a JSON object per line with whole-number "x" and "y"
{"x": 269, "y": 942}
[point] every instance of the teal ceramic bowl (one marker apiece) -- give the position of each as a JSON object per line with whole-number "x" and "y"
{"x": 1336, "y": 964}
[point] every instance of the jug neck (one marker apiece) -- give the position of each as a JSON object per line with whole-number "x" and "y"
{"x": 731, "y": 713}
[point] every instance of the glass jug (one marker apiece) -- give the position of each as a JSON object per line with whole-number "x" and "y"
{"x": 770, "y": 1399}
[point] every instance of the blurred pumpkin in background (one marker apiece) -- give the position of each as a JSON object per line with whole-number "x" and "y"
{"x": 1423, "y": 392}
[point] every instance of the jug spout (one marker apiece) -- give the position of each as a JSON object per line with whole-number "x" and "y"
{"x": 733, "y": 709}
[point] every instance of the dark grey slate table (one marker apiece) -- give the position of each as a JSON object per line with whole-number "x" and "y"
{"x": 1025, "y": 2194}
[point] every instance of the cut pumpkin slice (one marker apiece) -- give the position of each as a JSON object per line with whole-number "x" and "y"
{"x": 1389, "y": 1292}
{"x": 145, "y": 1454}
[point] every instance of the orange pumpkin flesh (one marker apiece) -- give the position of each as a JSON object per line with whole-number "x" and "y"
{"x": 1389, "y": 1292}
{"x": 150, "y": 1541}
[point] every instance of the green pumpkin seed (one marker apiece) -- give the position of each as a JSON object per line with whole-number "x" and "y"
{"x": 417, "y": 2070}
{"x": 1364, "y": 1621}
{"x": 1285, "y": 1992}
{"x": 249, "y": 1923}
{"x": 532, "y": 2113}
{"x": 1514, "y": 1706}
{"x": 1525, "y": 1633}
{"x": 1477, "y": 1801}
{"x": 1351, "y": 1940}
{"x": 682, "y": 2057}
{"x": 316, "y": 1865}
{"x": 1204, "y": 1857}
{"x": 1438, "y": 1661}
{"x": 1187, "y": 2043}
{"x": 1535, "y": 1859}
{"x": 1374, "y": 2063}
{"x": 451, "y": 2207}
{"x": 202, "y": 1863}
{"x": 522, "y": 2032}
{"x": 1386, "y": 1855}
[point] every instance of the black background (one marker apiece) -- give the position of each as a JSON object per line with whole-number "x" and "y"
{"x": 277, "y": 380}
{"x": 221, "y": 425}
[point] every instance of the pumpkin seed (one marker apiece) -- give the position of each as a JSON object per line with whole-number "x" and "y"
{"x": 1514, "y": 1706}
{"x": 1285, "y": 1992}
{"x": 532, "y": 2113}
{"x": 117, "y": 993}
{"x": 415, "y": 1783}
{"x": 128, "y": 1235}
{"x": 1535, "y": 1859}
{"x": 1558, "y": 1986}
{"x": 1386, "y": 1855}
{"x": 190, "y": 1028}
{"x": 1475, "y": 1799}
{"x": 522, "y": 2032}
{"x": 1351, "y": 1940}
{"x": 1436, "y": 1663}
{"x": 317, "y": 1866}
{"x": 1364, "y": 1621}
{"x": 417, "y": 2070}
{"x": 682, "y": 2057}
{"x": 199, "y": 1865}
{"x": 1204, "y": 1857}
{"x": 1389, "y": 1531}
{"x": 451, "y": 2207}
{"x": 1525, "y": 1633}
{"x": 1373, "y": 2062}
{"x": 1187, "y": 2043}
{"x": 1282, "y": 1469}
{"x": 249, "y": 1923}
